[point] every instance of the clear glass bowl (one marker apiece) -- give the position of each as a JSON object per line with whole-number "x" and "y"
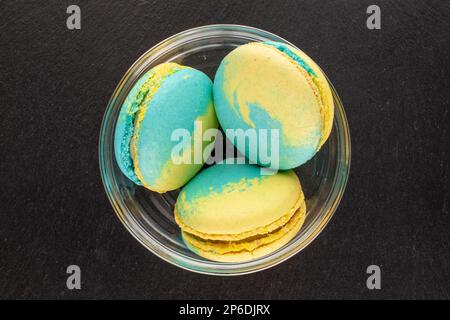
{"x": 148, "y": 216}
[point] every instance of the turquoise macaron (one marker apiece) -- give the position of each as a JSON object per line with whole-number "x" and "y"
{"x": 167, "y": 98}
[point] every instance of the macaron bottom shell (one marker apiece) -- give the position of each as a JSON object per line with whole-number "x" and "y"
{"x": 250, "y": 248}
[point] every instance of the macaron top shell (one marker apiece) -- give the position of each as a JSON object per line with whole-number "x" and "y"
{"x": 319, "y": 79}
{"x": 234, "y": 202}
{"x": 272, "y": 86}
{"x": 167, "y": 98}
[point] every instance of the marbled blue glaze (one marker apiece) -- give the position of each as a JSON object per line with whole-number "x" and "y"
{"x": 176, "y": 105}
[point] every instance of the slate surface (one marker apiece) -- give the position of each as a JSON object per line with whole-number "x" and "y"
{"x": 54, "y": 87}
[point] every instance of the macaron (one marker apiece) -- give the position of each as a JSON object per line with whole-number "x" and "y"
{"x": 272, "y": 85}
{"x": 233, "y": 213}
{"x": 166, "y": 98}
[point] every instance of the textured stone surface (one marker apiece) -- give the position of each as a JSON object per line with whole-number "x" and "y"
{"x": 54, "y": 87}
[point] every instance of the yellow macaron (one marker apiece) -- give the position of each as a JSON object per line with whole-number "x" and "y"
{"x": 234, "y": 213}
{"x": 272, "y": 85}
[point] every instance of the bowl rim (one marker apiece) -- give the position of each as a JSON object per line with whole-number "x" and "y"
{"x": 210, "y": 267}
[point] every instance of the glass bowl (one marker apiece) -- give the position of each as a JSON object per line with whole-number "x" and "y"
{"x": 148, "y": 216}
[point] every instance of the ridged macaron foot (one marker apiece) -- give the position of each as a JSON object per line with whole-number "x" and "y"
{"x": 166, "y": 98}
{"x": 233, "y": 213}
{"x": 271, "y": 85}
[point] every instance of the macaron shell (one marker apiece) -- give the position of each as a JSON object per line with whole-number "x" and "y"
{"x": 183, "y": 98}
{"x": 250, "y": 250}
{"x": 326, "y": 95}
{"x": 232, "y": 202}
{"x": 256, "y": 86}
{"x": 124, "y": 130}
{"x": 173, "y": 175}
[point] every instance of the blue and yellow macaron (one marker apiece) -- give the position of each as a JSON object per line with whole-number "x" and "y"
{"x": 233, "y": 213}
{"x": 166, "y": 98}
{"x": 271, "y": 85}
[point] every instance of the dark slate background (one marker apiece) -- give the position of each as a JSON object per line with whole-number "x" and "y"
{"x": 54, "y": 87}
